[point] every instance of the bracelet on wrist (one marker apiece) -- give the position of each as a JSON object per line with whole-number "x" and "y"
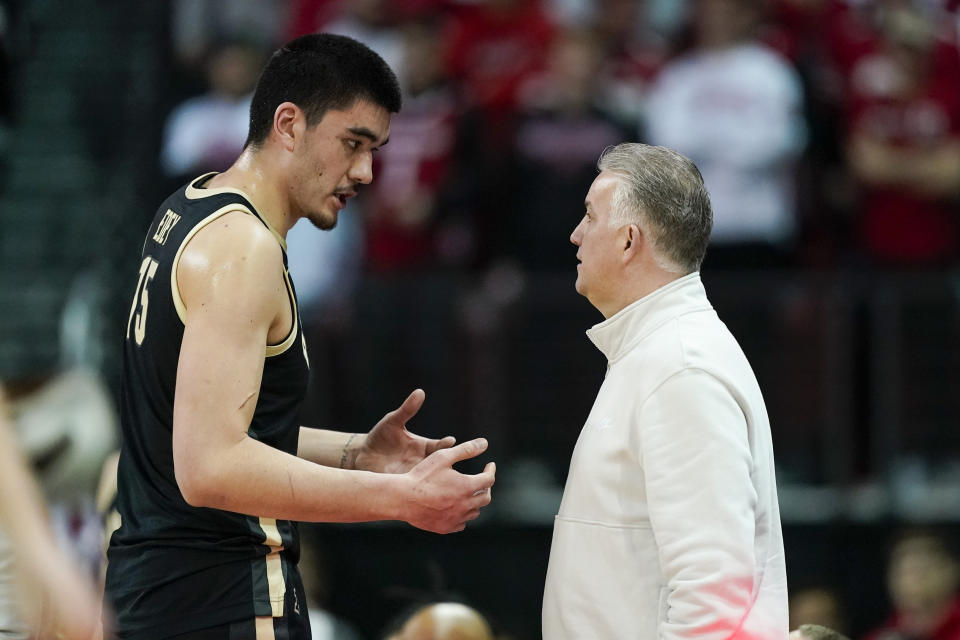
{"x": 346, "y": 449}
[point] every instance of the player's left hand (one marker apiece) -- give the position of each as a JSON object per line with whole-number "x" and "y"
{"x": 390, "y": 448}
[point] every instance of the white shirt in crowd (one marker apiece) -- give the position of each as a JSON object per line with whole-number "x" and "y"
{"x": 738, "y": 115}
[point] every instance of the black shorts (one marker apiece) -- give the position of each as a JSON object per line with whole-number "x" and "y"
{"x": 286, "y": 628}
{"x": 294, "y": 625}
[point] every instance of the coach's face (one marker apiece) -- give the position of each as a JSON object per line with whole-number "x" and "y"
{"x": 596, "y": 239}
{"x": 336, "y": 158}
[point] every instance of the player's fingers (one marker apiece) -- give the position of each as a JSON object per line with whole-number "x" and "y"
{"x": 443, "y": 443}
{"x": 489, "y": 475}
{"x": 482, "y": 482}
{"x": 480, "y": 499}
{"x": 465, "y": 450}
{"x": 486, "y": 479}
{"x": 409, "y": 407}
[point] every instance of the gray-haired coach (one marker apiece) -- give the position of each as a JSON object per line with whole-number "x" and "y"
{"x": 669, "y": 526}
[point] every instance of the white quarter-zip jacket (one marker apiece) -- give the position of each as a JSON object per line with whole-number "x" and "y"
{"x": 669, "y": 527}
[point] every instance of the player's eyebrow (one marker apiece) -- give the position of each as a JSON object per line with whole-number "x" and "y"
{"x": 366, "y": 133}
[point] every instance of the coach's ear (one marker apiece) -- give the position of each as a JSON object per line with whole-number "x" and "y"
{"x": 631, "y": 242}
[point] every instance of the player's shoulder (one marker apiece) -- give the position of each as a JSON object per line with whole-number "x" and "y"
{"x": 236, "y": 236}
{"x": 232, "y": 265}
{"x": 232, "y": 253}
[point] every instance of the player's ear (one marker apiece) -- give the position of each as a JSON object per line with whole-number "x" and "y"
{"x": 288, "y": 124}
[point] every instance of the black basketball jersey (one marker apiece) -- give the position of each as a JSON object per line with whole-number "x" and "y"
{"x": 172, "y": 567}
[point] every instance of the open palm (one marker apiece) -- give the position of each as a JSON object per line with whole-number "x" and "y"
{"x": 390, "y": 448}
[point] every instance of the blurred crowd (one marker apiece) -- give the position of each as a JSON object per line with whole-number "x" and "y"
{"x": 922, "y": 583}
{"x": 828, "y": 131}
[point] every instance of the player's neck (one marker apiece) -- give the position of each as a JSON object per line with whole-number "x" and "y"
{"x": 252, "y": 175}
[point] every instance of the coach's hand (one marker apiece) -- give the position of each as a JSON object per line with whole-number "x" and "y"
{"x": 390, "y": 448}
{"x": 442, "y": 499}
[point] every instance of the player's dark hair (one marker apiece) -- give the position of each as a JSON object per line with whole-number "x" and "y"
{"x": 319, "y": 72}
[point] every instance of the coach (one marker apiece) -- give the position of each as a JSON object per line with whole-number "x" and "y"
{"x": 669, "y": 526}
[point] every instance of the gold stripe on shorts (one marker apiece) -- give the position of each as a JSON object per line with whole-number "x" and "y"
{"x": 275, "y": 583}
{"x": 264, "y": 625}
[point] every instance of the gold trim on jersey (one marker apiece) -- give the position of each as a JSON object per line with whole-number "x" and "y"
{"x": 195, "y": 193}
{"x": 276, "y": 585}
{"x": 174, "y": 286}
{"x": 271, "y": 349}
{"x": 277, "y": 349}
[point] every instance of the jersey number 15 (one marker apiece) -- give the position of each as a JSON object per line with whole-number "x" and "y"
{"x": 148, "y": 269}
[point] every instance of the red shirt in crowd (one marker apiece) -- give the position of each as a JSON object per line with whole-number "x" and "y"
{"x": 900, "y": 225}
{"x": 949, "y": 629}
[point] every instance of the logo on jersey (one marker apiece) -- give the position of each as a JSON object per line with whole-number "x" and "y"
{"x": 167, "y": 223}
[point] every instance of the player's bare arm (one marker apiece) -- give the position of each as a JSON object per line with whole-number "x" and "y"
{"x": 231, "y": 281}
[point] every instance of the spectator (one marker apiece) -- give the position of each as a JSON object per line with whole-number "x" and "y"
{"x": 733, "y": 106}
{"x": 904, "y": 144}
{"x": 495, "y": 46}
{"x": 206, "y": 132}
{"x": 560, "y": 129}
{"x": 491, "y": 50}
{"x": 403, "y": 205}
{"x": 635, "y": 39}
{"x": 197, "y": 25}
{"x": 310, "y": 16}
{"x": 816, "y": 632}
{"x": 923, "y": 578}
{"x": 372, "y": 22}
{"x": 816, "y": 605}
{"x": 443, "y": 621}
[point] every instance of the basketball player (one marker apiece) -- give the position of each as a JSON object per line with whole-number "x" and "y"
{"x": 214, "y": 469}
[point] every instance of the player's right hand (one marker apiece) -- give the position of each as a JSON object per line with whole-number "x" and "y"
{"x": 443, "y": 500}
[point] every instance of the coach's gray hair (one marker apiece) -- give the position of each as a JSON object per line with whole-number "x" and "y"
{"x": 663, "y": 193}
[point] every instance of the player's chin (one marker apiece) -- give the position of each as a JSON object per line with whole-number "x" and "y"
{"x": 325, "y": 220}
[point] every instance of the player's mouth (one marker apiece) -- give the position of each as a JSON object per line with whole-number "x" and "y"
{"x": 342, "y": 196}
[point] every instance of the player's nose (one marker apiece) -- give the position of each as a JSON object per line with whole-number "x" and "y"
{"x": 362, "y": 169}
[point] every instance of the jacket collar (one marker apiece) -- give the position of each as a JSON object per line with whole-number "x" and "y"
{"x": 617, "y": 335}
